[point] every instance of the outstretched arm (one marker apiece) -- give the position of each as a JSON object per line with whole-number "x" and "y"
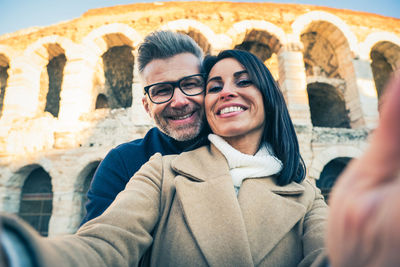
{"x": 119, "y": 237}
{"x": 363, "y": 225}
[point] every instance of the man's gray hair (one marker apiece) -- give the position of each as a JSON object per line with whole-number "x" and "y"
{"x": 166, "y": 44}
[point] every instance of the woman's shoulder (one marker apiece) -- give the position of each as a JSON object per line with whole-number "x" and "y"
{"x": 310, "y": 186}
{"x": 167, "y": 161}
{"x": 311, "y": 192}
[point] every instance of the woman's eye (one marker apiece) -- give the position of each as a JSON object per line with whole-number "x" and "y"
{"x": 244, "y": 83}
{"x": 214, "y": 89}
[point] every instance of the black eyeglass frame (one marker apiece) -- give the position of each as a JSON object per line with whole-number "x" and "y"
{"x": 175, "y": 85}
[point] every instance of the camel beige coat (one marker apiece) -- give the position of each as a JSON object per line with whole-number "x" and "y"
{"x": 181, "y": 210}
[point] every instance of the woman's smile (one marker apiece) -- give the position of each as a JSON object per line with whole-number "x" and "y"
{"x": 230, "y": 110}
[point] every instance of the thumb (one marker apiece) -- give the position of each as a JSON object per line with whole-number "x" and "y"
{"x": 383, "y": 156}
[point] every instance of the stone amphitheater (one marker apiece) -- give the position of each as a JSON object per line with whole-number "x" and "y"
{"x": 70, "y": 92}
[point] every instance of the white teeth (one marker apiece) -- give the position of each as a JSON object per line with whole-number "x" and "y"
{"x": 230, "y": 109}
{"x": 183, "y": 117}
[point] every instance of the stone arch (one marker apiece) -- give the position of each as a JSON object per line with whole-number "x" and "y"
{"x": 13, "y": 186}
{"x": 199, "y": 32}
{"x": 328, "y": 53}
{"x": 103, "y": 38}
{"x": 382, "y": 49}
{"x": 82, "y": 185}
{"x": 330, "y": 173}
{"x": 322, "y": 158}
{"x": 112, "y": 56}
{"x": 39, "y": 52}
{"x": 47, "y": 58}
{"x": 372, "y": 39}
{"x": 18, "y": 178}
{"x": 327, "y": 106}
{"x": 36, "y": 198}
{"x": 262, "y": 38}
{"x": 303, "y": 22}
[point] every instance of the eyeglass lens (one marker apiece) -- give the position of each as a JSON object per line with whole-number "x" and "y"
{"x": 192, "y": 85}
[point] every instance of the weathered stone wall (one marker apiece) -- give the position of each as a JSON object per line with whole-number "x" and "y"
{"x": 70, "y": 92}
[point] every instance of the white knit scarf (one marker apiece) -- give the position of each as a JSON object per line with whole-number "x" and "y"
{"x": 242, "y": 166}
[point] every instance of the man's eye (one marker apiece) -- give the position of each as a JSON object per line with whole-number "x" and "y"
{"x": 244, "y": 83}
{"x": 192, "y": 83}
{"x": 161, "y": 90}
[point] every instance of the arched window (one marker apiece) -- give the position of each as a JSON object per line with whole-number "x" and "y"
{"x": 84, "y": 185}
{"x": 327, "y": 106}
{"x": 330, "y": 173}
{"x": 199, "y": 38}
{"x": 384, "y": 58}
{"x": 36, "y": 200}
{"x": 264, "y": 46}
{"x": 118, "y": 64}
{"x": 55, "y": 71}
{"x": 3, "y": 80}
{"x": 101, "y": 101}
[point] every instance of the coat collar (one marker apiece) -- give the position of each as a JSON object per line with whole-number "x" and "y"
{"x": 241, "y": 229}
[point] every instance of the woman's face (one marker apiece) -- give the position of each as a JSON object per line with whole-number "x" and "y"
{"x": 233, "y": 104}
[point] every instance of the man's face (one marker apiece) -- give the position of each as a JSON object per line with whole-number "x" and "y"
{"x": 182, "y": 117}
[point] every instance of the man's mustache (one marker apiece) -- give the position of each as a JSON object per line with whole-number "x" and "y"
{"x": 171, "y": 112}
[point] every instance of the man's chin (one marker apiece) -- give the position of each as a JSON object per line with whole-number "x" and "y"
{"x": 184, "y": 134}
{"x": 178, "y": 136}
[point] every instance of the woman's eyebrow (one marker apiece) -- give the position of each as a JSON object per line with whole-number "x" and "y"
{"x": 239, "y": 73}
{"x": 216, "y": 78}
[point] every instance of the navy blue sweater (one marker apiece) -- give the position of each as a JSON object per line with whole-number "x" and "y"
{"x": 122, "y": 162}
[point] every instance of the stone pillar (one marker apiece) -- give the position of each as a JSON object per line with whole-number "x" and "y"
{"x": 367, "y": 92}
{"x": 76, "y": 95}
{"x": 23, "y": 88}
{"x": 10, "y": 191}
{"x": 66, "y": 214}
{"x": 138, "y": 113}
{"x": 76, "y": 99}
{"x": 293, "y": 83}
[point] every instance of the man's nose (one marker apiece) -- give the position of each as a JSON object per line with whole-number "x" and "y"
{"x": 179, "y": 99}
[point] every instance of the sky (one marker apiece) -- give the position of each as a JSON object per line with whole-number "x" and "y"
{"x": 22, "y": 14}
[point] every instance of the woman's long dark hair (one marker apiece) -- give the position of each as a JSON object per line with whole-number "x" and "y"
{"x": 279, "y": 131}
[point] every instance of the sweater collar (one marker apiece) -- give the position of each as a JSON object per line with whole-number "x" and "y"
{"x": 242, "y": 166}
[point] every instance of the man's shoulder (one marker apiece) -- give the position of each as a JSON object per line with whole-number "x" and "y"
{"x": 152, "y": 137}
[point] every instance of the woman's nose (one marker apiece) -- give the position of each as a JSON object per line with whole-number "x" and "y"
{"x": 227, "y": 92}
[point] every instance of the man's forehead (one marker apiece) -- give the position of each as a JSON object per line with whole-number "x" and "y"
{"x": 170, "y": 69}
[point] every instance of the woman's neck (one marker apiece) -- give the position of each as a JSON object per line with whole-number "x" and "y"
{"x": 247, "y": 144}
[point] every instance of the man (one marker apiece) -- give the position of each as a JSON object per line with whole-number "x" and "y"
{"x": 169, "y": 67}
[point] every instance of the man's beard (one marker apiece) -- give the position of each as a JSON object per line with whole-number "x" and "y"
{"x": 184, "y": 132}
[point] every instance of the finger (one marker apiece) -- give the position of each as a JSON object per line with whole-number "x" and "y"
{"x": 382, "y": 159}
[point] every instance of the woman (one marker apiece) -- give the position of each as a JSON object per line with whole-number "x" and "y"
{"x": 239, "y": 201}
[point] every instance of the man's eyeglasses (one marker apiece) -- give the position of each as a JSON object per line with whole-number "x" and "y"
{"x": 163, "y": 92}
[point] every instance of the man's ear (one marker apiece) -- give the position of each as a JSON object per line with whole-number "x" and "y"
{"x": 146, "y": 105}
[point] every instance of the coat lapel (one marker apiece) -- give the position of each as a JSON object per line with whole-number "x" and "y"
{"x": 211, "y": 208}
{"x": 268, "y": 215}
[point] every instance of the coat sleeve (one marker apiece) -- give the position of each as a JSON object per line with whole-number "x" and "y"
{"x": 314, "y": 227}
{"x": 109, "y": 179}
{"x": 121, "y": 235}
